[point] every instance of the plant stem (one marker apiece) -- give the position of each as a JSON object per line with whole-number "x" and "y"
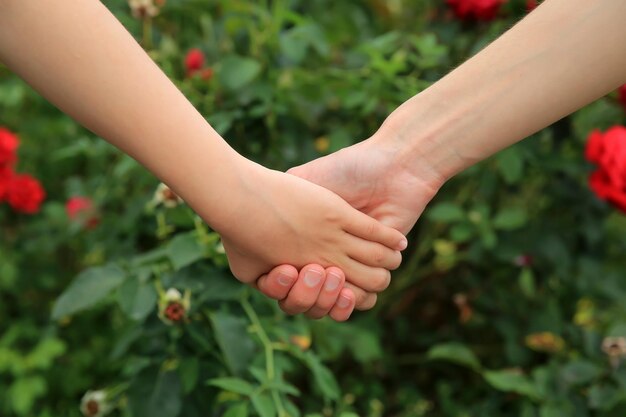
{"x": 147, "y": 34}
{"x": 269, "y": 352}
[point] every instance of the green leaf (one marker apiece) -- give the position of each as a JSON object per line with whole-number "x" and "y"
{"x": 295, "y": 43}
{"x": 237, "y": 410}
{"x": 264, "y": 405}
{"x": 45, "y": 352}
{"x": 580, "y": 372}
{"x": 604, "y": 397}
{"x": 339, "y": 139}
{"x": 510, "y": 218}
{"x": 155, "y": 393}
{"x": 511, "y": 381}
{"x": 284, "y": 387}
{"x": 528, "y": 410}
{"x": 188, "y": 370}
{"x": 446, "y": 212}
{"x": 24, "y": 391}
{"x": 600, "y": 114}
{"x": 236, "y": 72}
{"x": 553, "y": 410}
{"x": 291, "y": 409}
{"x": 511, "y": 165}
{"x": 184, "y": 250}
{"x": 462, "y": 232}
{"x": 455, "y": 353}
{"x": 617, "y": 329}
{"x": 431, "y": 53}
{"x": 365, "y": 345}
{"x": 324, "y": 379}
{"x": 234, "y": 341}
{"x": 87, "y": 289}
{"x": 238, "y": 385}
{"x": 527, "y": 282}
{"x": 137, "y": 299}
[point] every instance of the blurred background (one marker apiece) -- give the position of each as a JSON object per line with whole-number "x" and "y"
{"x": 116, "y": 300}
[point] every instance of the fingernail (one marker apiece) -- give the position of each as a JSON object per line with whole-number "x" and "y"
{"x": 332, "y": 281}
{"x": 284, "y": 279}
{"x": 312, "y": 278}
{"x": 403, "y": 244}
{"x": 343, "y": 301}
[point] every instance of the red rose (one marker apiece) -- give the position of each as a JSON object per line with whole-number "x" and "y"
{"x": 601, "y": 185}
{"x": 621, "y": 94}
{"x": 5, "y": 176}
{"x": 81, "y": 209}
{"x": 194, "y": 61}
{"x": 608, "y": 151}
{"x": 531, "y": 5}
{"x": 595, "y": 146}
{"x": 8, "y": 147}
{"x": 25, "y": 194}
{"x": 475, "y": 9}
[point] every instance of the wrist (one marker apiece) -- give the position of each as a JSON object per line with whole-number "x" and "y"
{"x": 413, "y": 137}
{"x": 212, "y": 179}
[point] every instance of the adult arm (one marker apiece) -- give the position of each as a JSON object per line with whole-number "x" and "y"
{"x": 560, "y": 57}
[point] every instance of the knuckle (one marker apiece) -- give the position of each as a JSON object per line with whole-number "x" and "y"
{"x": 333, "y": 216}
{"x": 379, "y": 256}
{"x": 381, "y": 280}
{"x": 372, "y": 228}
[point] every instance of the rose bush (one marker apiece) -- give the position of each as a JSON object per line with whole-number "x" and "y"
{"x": 510, "y": 300}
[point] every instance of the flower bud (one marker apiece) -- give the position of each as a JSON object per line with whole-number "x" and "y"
{"x": 615, "y": 348}
{"x": 174, "y": 307}
{"x": 164, "y": 195}
{"x": 95, "y": 404}
{"x": 142, "y": 9}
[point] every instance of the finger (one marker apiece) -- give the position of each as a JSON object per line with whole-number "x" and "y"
{"x": 367, "y": 228}
{"x": 278, "y": 282}
{"x": 366, "y": 277}
{"x": 344, "y": 306}
{"x": 374, "y": 254}
{"x": 305, "y": 291}
{"x": 335, "y": 279}
{"x": 363, "y": 300}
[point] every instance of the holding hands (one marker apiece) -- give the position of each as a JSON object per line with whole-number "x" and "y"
{"x": 335, "y": 225}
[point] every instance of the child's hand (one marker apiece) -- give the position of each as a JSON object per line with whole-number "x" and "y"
{"x": 304, "y": 293}
{"x": 275, "y": 218}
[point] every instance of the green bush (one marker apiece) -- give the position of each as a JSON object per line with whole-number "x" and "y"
{"x": 513, "y": 280}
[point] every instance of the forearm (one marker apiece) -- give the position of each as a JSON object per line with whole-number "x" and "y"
{"x": 77, "y": 55}
{"x": 562, "y": 56}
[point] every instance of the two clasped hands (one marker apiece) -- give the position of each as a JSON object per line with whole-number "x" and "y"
{"x": 323, "y": 237}
{"x": 339, "y": 242}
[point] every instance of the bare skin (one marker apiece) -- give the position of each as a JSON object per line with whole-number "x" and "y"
{"x": 78, "y": 56}
{"x": 562, "y": 56}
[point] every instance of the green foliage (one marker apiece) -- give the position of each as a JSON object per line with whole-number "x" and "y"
{"x": 466, "y": 329}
